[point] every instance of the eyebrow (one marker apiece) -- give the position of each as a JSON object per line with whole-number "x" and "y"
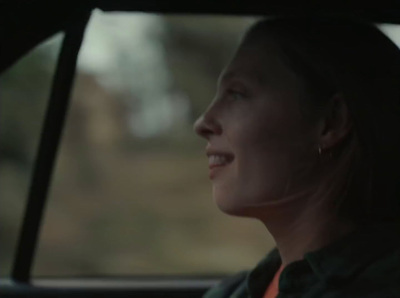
{"x": 244, "y": 75}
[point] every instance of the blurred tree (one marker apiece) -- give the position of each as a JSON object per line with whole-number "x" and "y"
{"x": 197, "y": 49}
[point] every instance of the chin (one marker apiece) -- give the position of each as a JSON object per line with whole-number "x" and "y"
{"x": 234, "y": 207}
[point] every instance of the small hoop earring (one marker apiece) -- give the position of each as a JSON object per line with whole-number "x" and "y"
{"x": 319, "y": 150}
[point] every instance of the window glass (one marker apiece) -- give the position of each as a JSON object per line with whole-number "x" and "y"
{"x": 130, "y": 193}
{"x": 24, "y": 91}
{"x": 392, "y": 31}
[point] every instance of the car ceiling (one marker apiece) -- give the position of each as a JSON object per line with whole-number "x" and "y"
{"x": 24, "y": 24}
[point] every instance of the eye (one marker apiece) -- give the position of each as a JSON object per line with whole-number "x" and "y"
{"x": 236, "y": 95}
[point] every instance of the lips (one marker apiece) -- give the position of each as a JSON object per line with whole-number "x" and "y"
{"x": 217, "y": 160}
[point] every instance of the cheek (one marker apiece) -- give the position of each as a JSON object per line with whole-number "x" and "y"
{"x": 270, "y": 144}
{"x": 269, "y": 131}
{"x": 270, "y": 158}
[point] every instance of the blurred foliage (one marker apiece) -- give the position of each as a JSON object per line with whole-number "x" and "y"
{"x": 120, "y": 203}
{"x": 197, "y": 49}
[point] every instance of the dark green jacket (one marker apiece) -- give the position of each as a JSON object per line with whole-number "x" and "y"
{"x": 365, "y": 263}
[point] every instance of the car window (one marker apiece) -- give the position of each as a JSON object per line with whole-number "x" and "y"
{"x": 392, "y": 31}
{"x": 130, "y": 193}
{"x": 24, "y": 90}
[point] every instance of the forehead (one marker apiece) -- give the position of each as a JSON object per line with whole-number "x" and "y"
{"x": 256, "y": 63}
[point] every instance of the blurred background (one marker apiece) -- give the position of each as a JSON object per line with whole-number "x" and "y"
{"x": 130, "y": 193}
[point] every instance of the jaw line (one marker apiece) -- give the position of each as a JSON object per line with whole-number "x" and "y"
{"x": 278, "y": 203}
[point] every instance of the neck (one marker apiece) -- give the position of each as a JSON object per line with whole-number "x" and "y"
{"x": 298, "y": 230}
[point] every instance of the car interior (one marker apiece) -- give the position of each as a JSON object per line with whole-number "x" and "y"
{"x": 66, "y": 27}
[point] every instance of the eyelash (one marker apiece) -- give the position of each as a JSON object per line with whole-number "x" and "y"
{"x": 236, "y": 93}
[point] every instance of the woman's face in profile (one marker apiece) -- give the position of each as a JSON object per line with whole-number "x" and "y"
{"x": 260, "y": 146}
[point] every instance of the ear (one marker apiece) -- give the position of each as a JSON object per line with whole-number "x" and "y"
{"x": 336, "y": 124}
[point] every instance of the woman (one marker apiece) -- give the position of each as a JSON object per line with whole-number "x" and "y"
{"x": 304, "y": 135}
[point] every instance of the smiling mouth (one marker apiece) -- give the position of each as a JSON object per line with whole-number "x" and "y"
{"x": 219, "y": 160}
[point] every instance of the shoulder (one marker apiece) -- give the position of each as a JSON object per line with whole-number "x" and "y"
{"x": 232, "y": 285}
{"x": 380, "y": 278}
{"x": 244, "y": 282}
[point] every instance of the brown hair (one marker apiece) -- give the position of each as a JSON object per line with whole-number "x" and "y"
{"x": 355, "y": 59}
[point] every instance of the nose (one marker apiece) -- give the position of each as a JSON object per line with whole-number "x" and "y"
{"x": 207, "y": 125}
